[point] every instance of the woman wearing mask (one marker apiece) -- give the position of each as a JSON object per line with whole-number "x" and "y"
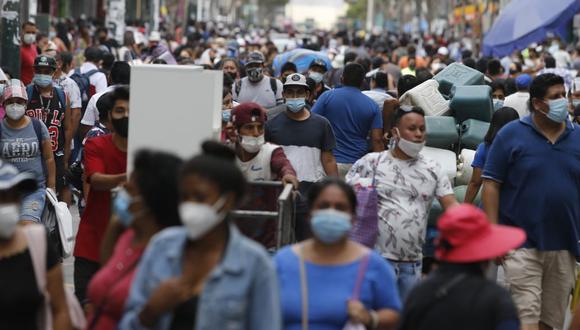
{"x": 146, "y": 205}
{"x": 231, "y": 67}
{"x": 498, "y": 94}
{"x": 21, "y": 300}
{"x": 329, "y": 280}
{"x": 499, "y": 119}
{"x": 205, "y": 275}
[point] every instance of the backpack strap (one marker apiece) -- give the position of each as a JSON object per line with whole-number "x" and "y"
{"x": 274, "y": 85}
{"x": 238, "y": 87}
{"x": 37, "y": 125}
{"x": 88, "y": 74}
{"x": 61, "y": 97}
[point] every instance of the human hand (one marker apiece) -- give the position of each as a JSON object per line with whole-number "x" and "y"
{"x": 358, "y": 313}
{"x": 290, "y": 179}
{"x": 166, "y": 297}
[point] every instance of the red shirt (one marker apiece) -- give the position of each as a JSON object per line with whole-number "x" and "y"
{"x": 27, "y": 55}
{"x": 100, "y": 156}
{"x": 110, "y": 287}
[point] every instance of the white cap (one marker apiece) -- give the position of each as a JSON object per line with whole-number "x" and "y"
{"x": 155, "y": 36}
{"x": 443, "y": 51}
{"x": 296, "y": 79}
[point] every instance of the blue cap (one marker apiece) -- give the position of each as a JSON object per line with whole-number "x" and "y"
{"x": 523, "y": 81}
{"x": 10, "y": 178}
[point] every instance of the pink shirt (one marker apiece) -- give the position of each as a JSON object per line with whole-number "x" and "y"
{"x": 110, "y": 287}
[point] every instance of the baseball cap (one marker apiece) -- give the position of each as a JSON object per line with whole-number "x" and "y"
{"x": 45, "y": 61}
{"x": 248, "y": 112}
{"x": 318, "y": 62}
{"x": 523, "y": 81}
{"x": 14, "y": 89}
{"x": 256, "y": 57}
{"x": 10, "y": 178}
{"x": 443, "y": 51}
{"x": 466, "y": 236}
{"x": 296, "y": 79}
{"x": 155, "y": 36}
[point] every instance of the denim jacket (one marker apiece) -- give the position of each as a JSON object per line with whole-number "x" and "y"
{"x": 240, "y": 293}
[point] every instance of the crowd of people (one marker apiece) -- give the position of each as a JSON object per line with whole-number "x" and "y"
{"x": 158, "y": 248}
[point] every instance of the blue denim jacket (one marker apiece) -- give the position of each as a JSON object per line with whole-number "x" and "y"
{"x": 240, "y": 293}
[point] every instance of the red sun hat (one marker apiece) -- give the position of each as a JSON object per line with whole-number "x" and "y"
{"x": 248, "y": 112}
{"x": 466, "y": 235}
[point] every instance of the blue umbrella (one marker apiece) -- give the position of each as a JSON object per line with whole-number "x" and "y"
{"x": 301, "y": 58}
{"x": 523, "y": 22}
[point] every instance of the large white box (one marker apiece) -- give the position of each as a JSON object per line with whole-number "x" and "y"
{"x": 173, "y": 109}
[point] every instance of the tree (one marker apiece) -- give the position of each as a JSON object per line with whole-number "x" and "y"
{"x": 357, "y": 10}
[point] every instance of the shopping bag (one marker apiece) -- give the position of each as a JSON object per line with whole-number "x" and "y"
{"x": 57, "y": 219}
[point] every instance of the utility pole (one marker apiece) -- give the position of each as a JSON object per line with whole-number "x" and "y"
{"x": 10, "y": 36}
{"x": 370, "y": 15}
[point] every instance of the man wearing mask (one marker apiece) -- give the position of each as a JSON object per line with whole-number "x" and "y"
{"x": 307, "y": 140}
{"x": 520, "y": 100}
{"x": 316, "y": 71}
{"x": 256, "y": 87}
{"x": 407, "y": 183}
{"x": 531, "y": 182}
{"x": 28, "y": 52}
{"x": 50, "y": 105}
{"x": 105, "y": 163}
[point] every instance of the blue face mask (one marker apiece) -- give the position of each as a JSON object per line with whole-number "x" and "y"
{"x": 42, "y": 80}
{"x": 296, "y": 105}
{"x": 121, "y": 207}
{"x": 226, "y": 115}
{"x": 316, "y": 76}
{"x": 330, "y": 225}
{"x": 558, "y": 110}
{"x": 497, "y": 104}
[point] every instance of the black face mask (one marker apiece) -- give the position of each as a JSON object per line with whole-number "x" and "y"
{"x": 121, "y": 126}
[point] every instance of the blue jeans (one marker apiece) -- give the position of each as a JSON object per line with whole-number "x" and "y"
{"x": 32, "y": 205}
{"x": 408, "y": 275}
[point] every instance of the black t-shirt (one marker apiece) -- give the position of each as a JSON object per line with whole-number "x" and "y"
{"x": 473, "y": 302}
{"x": 20, "y": 297}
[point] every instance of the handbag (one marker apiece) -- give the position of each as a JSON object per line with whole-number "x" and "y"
{"x": 365, "y": 229}
{"x": 57, "y": 219}
{"x": 304, "y": 289}
{"x": 36, "y": 237}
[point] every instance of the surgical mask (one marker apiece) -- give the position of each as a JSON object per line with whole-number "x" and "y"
{"x": 255, "y": 74}
{"x": 575, "y": 102}
{"x": 411, "y": 149}
{"x": 558, "y": 110}
{"x": 316, "y": 76}
{"x": 9, "y": 217}
{"x": 330, "y": 225}
{"x": 15, "y": 111}
{"x": 42, "y": 80}
{"x": 252, "y": 144}
{"x": 121, "y": 207}
{"x": 497, "y": 104}
{"x": 226, "y": 115}
{"x": 29, "y": 38}
{"x": 121, "y": 126}
{"x": 296, "y": 105}
{"x": 200, "y": 218}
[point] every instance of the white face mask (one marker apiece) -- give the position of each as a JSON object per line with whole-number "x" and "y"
{"x": 15, "y": 111}
{"x": 9, "y": 217}
{"x": 200, "y": 218}
{"x": 411, "y": 149}
{"x": 252, "y": 144}
{"x": 29, "y": 38}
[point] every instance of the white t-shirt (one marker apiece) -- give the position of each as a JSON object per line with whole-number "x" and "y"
{"x": 379, "y": 96}
{"x": 258, "y": 168}
{"x": 91, "y": 115}
{"x": 260, "y": 93}
{"x": 518, "y": 101}
{"x": 562, "y": 58}
{"x": 71, "y": 90}
{"x": 99, "y": 80}
{"x": 406, "y": 189}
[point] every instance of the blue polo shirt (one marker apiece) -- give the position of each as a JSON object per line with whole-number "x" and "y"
{"x": 352, "y": 116}
{"x": 540, "y": 184}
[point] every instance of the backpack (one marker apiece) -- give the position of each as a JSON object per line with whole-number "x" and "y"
{"x": 273, "y": 86}
{"x": 83, "y": 81}
{"x": 59, "y": 92}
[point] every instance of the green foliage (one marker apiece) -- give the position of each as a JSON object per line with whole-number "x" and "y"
{"x": 357, "y": 9}
{"x": 272, "y": 3}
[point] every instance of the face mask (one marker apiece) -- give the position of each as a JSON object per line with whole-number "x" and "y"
{"x": 316, "y": 76}
{"x": 2, "y": 89}
{"x": 9, "y": 217}
{"x": 226, "y": 115}
{"x": 200, "y": 218}
{"x": 558, "y": 110}
{"x": 121, "y": 207}
{"x": 296, "y": 105}
{"x": 42, "y": 80}
{"x": 497, "y": 104}
{"x": 575, "y": 102}
{"x": 121, "y": 126}
{"x": 254, "y": 74}
{"x": 15, "y": 111}
{"x": 29, "y": 38}
{"x": 252, "y": 144}
{"x": 411, "y": 149}
{"x": 330, "y": 225}
{"x": 51, "y": 35}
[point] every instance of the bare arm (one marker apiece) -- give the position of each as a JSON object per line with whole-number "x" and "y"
{"x": 473, "y": 186}
{"x": 75, "y": 119}
{"x": 58, "y": 304}
{"x": 388, "y": 319}
{"x": 105, "y": 182}
{"x": 448, "y": 201}
{"x": 49, "y": 163}
{"x": 491, "y": 199}
{"x": 329, "y": 163}
{"x": 377, "y": 140}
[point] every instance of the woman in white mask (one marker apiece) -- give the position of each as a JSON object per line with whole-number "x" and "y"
{"x": 205, "y": 275}
{"x": 21, "y": 298}
{"x": 329, "y": 280}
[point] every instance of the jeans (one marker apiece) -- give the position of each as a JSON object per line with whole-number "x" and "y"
{"x": 408, "y": 275}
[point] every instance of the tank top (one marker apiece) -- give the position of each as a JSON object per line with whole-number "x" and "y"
{"x": 258, "y": 168}
{"x": 50, "y": 111}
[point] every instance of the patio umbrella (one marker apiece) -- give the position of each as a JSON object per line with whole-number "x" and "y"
{"x": 523, "y": 22}
{"x": 300, "y": 57}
